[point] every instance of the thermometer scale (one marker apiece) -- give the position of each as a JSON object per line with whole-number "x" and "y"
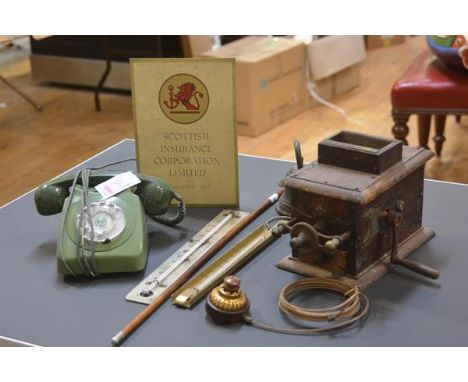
{"x": 169, "y": 271}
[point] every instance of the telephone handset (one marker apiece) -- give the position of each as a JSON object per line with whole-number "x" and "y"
{"x": 99, "y": 235}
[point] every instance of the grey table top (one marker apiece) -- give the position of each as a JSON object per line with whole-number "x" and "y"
{"x": 39, "y": 306}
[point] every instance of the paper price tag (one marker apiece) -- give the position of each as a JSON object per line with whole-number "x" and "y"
{"x": 117, "y": 184}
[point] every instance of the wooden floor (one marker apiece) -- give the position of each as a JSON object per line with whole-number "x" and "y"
{"x": 35, "y": 147}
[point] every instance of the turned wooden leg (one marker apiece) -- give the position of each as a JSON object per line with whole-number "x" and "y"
{"x": 424, "y": 126}
{"x": 439, "y": 133}
{"x": 458, "y": 118}
{"x": 400, "y": 129}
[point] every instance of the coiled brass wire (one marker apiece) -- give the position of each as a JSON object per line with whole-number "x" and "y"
{"x": 354, "y": 308}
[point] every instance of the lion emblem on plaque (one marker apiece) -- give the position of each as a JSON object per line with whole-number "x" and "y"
{"x": 183, "y": 98}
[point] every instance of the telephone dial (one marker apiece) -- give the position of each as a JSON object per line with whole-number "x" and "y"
{"x": 99, "y": 235}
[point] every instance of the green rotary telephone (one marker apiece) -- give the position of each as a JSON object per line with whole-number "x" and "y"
{"x": 99, "y": 235}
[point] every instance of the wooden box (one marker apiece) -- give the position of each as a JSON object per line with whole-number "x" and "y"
{"x": 359, "y": 152}
{"x": 347, "y": 196}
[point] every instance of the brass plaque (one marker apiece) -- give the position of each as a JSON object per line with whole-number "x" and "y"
{"x": 185, "y": 127}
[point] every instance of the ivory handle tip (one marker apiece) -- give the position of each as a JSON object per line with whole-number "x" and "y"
{"x": 118, "y": 338}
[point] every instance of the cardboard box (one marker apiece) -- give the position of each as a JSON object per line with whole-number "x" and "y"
{"x": 194, "y": 46}
{"x": 270, "y": 81}
{"x": 332, "y": 54}
{"x": 337, "y": 84}
{"x": 377, "y": 41}
{"x": 334, "y": 64}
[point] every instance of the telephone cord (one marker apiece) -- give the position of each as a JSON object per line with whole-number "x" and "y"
{"x": 84, "y": 217}
{"x": 172, "y": 220}
{"x": 93, "y": 244}
{"x": 353, "y": 309}
{"x": 112, "y": 163}
{"x": 90, "y": 270}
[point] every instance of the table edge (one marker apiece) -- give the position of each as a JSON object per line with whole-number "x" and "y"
{"x": 8, "y": 341}
{"x": 239, "y": 154}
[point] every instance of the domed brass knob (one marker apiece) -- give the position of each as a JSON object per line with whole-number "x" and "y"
{"x": 231, "y": 284}
{"x": 227, "y": 304}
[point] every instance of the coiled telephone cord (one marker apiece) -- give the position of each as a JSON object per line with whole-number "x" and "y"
{"x": 172, "y": 220}
{"x": 353, "y": 309}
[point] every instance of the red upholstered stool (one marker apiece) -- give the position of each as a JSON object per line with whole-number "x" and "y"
{"x": 428, "y": 88}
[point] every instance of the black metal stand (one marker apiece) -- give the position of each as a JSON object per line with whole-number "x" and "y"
{"x": 23, "y": 95}
{"x": 97, "y": 90}
{"x": 108, "y": 52}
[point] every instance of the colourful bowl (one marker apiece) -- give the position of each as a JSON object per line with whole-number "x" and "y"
{"x": 447, "y": 54}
